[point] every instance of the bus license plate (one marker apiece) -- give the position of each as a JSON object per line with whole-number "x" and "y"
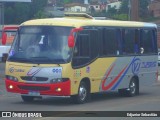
{"x": 33, "y": 93}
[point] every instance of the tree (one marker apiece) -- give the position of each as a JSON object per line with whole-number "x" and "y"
{"x": 36, "y": 6}
{"x": 143, "y": 8}
{"x": 124, "y": 7}
{"x": 67, "y": 1}
{"x": 120, "y": 17}
{"x": 16, "y": 13}
{"x": 122, "y": 13}
{"x": 111, "y": 12}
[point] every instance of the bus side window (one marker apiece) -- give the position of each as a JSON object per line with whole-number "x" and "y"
{"x": 128, "y": 39}
{"x": 94, "y": 42}
{"x": 147, "y": 41}
{"x": 154, "y": 41}
{"x": 110, "y": 42}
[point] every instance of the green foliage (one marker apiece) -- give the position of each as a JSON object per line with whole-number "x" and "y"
{"x": 124, "y": 7}
{"x": 121, "y": 17}
{"x": 143, "y": 8}
{"x": 98, "y": 14}
{"x": 111, "y": 12}
{"x": 123, "y": 12}
{"x": 20, "y": 12}
{"x": 9, "y": 15}
{"x": 16, "y": 13}
{"x": 37, "y": 5}
{"x": 67, "y": 1}
{"x": 40, "y": 14}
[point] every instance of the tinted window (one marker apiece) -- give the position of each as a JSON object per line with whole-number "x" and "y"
{"x": 82, "y": 46}
{"x": 110, "y": 41}
{"x": 148, "y": 41}
{"x": 128, "y": 39}
{"x": 94, "y": 41}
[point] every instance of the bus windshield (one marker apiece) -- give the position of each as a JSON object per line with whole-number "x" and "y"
{"x": 41, "y": 44}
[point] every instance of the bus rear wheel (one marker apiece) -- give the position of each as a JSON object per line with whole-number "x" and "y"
{"x": 83, "y": 94}
{"x": 132, "y": 90}
{"x": 27, "y": 98}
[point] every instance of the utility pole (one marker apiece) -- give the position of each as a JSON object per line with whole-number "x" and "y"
{"x": 129, "y": 8}
{"x": 134, "y": 10}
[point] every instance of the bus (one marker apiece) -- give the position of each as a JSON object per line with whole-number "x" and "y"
{"x": 9, "y": 31}
{"x": 76, "y": 56}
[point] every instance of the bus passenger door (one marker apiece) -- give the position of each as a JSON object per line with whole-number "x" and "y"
{"x": 85, "y": 57}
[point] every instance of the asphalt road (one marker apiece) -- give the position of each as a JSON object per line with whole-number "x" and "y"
{"x": 148, "y": 100}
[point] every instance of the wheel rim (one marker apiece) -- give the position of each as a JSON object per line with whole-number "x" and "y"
{"x": 133, "y": 87}
{"x": 82, "y": 92}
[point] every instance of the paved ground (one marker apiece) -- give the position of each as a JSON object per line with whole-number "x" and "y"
{"x": 148, "y": 100}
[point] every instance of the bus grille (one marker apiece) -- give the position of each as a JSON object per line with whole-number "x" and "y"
{"x": 32, "y": 78}
{"x": 34, "y": 88}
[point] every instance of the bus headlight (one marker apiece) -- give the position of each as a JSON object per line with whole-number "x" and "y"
{"x": 11, "y": 78}
{"x": 58, "y": 80}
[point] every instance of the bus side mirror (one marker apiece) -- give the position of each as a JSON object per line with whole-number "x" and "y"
{"x": 4, "y": 38}
{"x": 71, "y": 41}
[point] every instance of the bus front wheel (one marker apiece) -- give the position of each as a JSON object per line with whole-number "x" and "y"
{"x": 83, "y": 94}
{"x": 27, "y": 98}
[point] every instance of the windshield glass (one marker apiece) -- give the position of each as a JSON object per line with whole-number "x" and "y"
{"x": 41, "y": 44}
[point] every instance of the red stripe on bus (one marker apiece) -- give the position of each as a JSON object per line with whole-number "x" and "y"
{"x": 114, "y": 80}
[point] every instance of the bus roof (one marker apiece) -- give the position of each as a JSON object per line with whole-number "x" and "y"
{"x": 82, "y": 21}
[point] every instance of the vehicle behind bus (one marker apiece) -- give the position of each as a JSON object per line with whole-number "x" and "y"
{"x": 10, "y": 31}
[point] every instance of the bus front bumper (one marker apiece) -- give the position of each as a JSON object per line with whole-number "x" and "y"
{"x": 56, "y": 89}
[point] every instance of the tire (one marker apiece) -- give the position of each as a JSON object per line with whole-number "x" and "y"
{"x": 132, "y": 90}
{"x": 83, "y": 94}
{"x": 27, "y": 98}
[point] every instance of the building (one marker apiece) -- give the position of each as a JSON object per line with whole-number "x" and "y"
{"x": 76, "y": 7}
{"x": 154, "y": 8}
{"x": 113, "y": 4}
{"x": 95, "y": 6}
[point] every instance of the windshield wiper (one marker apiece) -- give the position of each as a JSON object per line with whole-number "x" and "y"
{"x": 21, "y": 60}
{"x": 41, "y": 59}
